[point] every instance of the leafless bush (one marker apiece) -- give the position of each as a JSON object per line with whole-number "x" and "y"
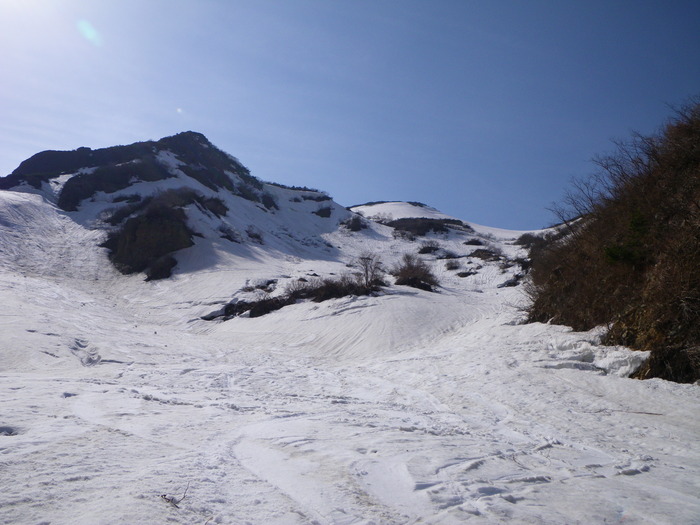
{"x": 296, "y": 288}
{"x": 452, "y": 265}
{"x": 474, "y": 242}
{"x": 316, "y": 290}
{"x": 413, "y": 271}
{"x": 355, "y": 223}
{"x": 254, "y": 234}
{"x": 420, "y": 226}
{"x": 485, "y": 254}
{"x": 630, "y": 259}
{"x": 447, "y": 254}
{"x": 265, "y": 285}
{"x": 371, "y": 269}
{"x": 229, "y": 233}
{"x": 429, "y": 247}
{"x": 403, "y": 235}
{"x": 324, "y": 212}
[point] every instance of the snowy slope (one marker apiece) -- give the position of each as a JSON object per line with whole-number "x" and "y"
{"x": 399, "y": 210}
{"x": 405, "y": 407}
{"x": 392, "y": 210}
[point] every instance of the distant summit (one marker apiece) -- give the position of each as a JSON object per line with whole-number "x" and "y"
{"x": 180, "y": 202}
{"x": 156, "y": 198}
{"x": 115, "y": 168}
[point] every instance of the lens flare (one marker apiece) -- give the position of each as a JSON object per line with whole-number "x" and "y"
{"x": 89, "y": 33}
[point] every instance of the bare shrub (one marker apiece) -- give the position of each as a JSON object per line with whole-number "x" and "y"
{"x": 265, "y": 285}
{"x": 530, "y": 239}
{"x": 630, "y": 257}
{"x": 253, "y": 308}
{"x": 297, "y": 287}
{"x": 269, "y": 201}
{"x": 318, "y": 197}
{"x": 452, "y": 265}
{"x": 214, "y": 205}
{"x": 229, "y": 233}
{"x": 413, "y": 271}
{"x": 474, "y": 242}
{"x": 336, "y": 288}
{"x": 254, "y": 234}
{"x": 371, "y": 270}
{"x": 429, "y": 247}
{"x": 295, "y": 188}
{"x": 116, "y": 215}
{"x": 447, "y": 254}
{"x": 420, "y": 226}
{"x": 109, "y": 178}
{"x": 355, "y": 223}
{"x": 381, "y": 218}
{"x": 487, "y": 254}
{"x": 403, "y": 235}
{"x": 317, "y": 290}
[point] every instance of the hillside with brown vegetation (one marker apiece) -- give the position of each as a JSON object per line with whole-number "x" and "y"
{"x": 630, "y": 260}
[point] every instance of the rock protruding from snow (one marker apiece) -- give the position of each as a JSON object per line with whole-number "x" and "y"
{"x": 155, "y": 199}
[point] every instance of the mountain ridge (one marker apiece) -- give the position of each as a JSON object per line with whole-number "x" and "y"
{"x": 138, "y": 192}
{"x": 401, "y": 406}
{"x": 153, "y": 200}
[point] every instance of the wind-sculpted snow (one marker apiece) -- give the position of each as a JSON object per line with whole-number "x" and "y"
{"x": 403, "y": 407}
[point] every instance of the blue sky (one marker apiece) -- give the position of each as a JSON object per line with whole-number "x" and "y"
{"x": 482, "y": 109}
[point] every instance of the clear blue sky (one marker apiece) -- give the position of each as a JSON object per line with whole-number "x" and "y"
{"x": 483, "y": 109}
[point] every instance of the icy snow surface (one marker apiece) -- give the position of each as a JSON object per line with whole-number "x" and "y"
{"x": 407, "y": 407}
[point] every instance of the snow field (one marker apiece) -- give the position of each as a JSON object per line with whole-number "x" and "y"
{"x": 407, "y": 407}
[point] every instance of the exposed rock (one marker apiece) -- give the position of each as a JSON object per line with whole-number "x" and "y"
{"x": 144, "y": 240}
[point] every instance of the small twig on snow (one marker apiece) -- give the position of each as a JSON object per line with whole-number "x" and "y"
{"x": 173, "y": 500}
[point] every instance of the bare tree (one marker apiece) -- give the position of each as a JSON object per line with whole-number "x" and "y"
{"x": 370, "y": 268}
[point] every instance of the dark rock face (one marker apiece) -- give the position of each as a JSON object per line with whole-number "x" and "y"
{"x": 148, "y": 230}
{"x": 148, "y": 226}
{"x": 157, "y": 228}
{"x": 119, "y": 166}
{"x": 50, "y": 164}
{"x": 109, "y": 179}
{"x": 144, "y": 240}
{"x": 161, "y": 268}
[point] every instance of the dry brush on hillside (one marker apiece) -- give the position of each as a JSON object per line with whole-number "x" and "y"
{"x": 630, "y": 260}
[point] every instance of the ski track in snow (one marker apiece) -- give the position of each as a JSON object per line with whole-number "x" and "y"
{"x": 409, "y": 407}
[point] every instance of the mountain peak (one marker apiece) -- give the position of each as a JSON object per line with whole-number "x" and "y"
{"x": 115, "y": 168}
{"x": 155, "y": 198}
{"x": 50, "y": 164}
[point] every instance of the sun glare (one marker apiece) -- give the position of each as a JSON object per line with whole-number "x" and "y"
{"x": 89, "y": 33}
{"x": 15, "y": 5}
{"x": 24, "y": 6}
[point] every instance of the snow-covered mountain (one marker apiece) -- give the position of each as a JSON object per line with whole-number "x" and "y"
{"x": 156, "y": 198}
{"x": 402, "y": 406}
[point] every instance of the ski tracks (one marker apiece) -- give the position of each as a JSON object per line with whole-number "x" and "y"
{"x": 465, "y": 428}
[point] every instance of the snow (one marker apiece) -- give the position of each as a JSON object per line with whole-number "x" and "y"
{"x": 406, "y": 210}
{"x": 405, "y": 407}
{"x": 399, "y": 210}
